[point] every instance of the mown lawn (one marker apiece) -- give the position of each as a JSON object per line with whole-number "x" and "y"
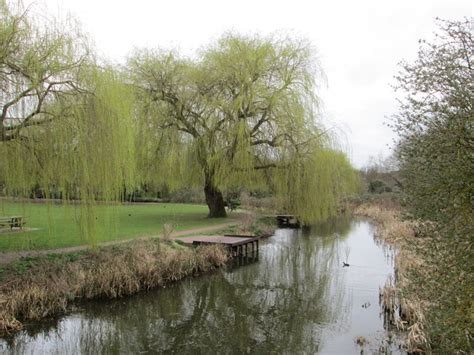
{"x": 57, "y": 226}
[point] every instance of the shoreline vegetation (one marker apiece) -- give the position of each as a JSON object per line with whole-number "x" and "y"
{"x": 49, "y": 285}
{"x": 402, "y": 312}
{"x": 427, "y": 301}
{"x": 241, "y": 115}
{"x": 34, "y": 288}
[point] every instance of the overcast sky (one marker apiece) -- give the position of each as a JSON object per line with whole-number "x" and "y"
{"x": 359, "y": 44}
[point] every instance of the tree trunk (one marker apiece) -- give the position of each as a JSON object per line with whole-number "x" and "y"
{"x": 214, "y": 200}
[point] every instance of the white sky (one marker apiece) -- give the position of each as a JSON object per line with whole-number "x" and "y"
{"x": 359, "y": 44}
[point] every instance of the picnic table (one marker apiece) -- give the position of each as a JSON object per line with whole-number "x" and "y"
{"x": 12, "y": 221}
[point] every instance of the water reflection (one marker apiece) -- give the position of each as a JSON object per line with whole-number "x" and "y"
{"x": 295, "y": 298}
{"x": 336, "y": 226}
{"x": 239, "y": 261}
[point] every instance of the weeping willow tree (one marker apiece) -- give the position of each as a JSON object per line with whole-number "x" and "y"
{"x": 66, "y": 126}
{"x": 242, "y": 113}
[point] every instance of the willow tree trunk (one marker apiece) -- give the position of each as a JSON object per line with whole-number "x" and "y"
{"x": 214, "y": 200}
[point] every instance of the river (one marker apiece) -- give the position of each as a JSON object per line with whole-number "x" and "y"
{"x": 297, "y": 298}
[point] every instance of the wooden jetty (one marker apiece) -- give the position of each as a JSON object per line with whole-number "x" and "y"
{"x": 238, "y": 245}
{"x": 287, "y": 221}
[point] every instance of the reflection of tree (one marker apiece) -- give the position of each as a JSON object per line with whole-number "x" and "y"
{"x": 340, "y": 225}
{"x": 280, "y": 304}
{"x": 291, "y": 297}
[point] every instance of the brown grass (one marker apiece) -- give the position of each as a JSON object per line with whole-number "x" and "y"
{"x": 52, "y": 285}
{"x": 254, "y": 225}
{"x": 389, "y": 225}
{"x": 167, "y": 230}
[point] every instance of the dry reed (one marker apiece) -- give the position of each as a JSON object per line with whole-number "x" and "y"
{"x": 54, "y": 284}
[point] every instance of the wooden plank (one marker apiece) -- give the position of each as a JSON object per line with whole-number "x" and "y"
{"x": 237, "y": 244}
{"x": 240, "y": 236}
{"x": 227, "y": 240}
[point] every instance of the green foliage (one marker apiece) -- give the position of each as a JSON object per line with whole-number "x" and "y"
{"x": 436, "y": 130}
{"x": 242, "y": 114}
{"x": 67, "y": 125}
{"x": 87, "y": 154}
{"x": 378, "y": 187}
{"x": 447, "y": 285}
{"x": 40, "y": 63}
{"x": 436, "y": 153}
{"x": 314, "y": 185}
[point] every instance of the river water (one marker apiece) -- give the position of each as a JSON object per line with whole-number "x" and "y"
{"x": 295, "y": 299}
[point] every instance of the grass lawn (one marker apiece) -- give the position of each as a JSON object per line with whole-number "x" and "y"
{"x": 57, "y": 226}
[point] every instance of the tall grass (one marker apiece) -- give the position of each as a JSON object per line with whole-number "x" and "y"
{"x": 52, "y": 284}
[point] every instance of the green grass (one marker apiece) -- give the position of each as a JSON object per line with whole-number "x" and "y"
{"x": 58, "y": 225}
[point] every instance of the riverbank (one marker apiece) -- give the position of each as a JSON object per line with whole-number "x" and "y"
{"x": 44, "y": 283}
{"x": 295, "y": 297}
{"x": 431, "y": 296}
{"x": 401, "y": 311}
{"x": 35, "y": 288}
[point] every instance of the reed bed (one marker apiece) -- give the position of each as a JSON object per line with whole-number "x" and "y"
{"x": 401, "y": 310}
{"x": 50, "y": 285}
{"x": 431, "y": 296}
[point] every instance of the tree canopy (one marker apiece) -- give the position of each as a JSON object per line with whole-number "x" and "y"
{"x": 66, "y": 123}
{"x": 241, "y": 113}
{"x": 435, "y": 126}
{"x": 39, "y": 64}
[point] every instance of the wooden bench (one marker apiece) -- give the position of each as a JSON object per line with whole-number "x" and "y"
{"x": 12, "y": 222}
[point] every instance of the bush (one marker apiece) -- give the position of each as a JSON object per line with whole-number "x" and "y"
{"x": 378, "y": 187}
